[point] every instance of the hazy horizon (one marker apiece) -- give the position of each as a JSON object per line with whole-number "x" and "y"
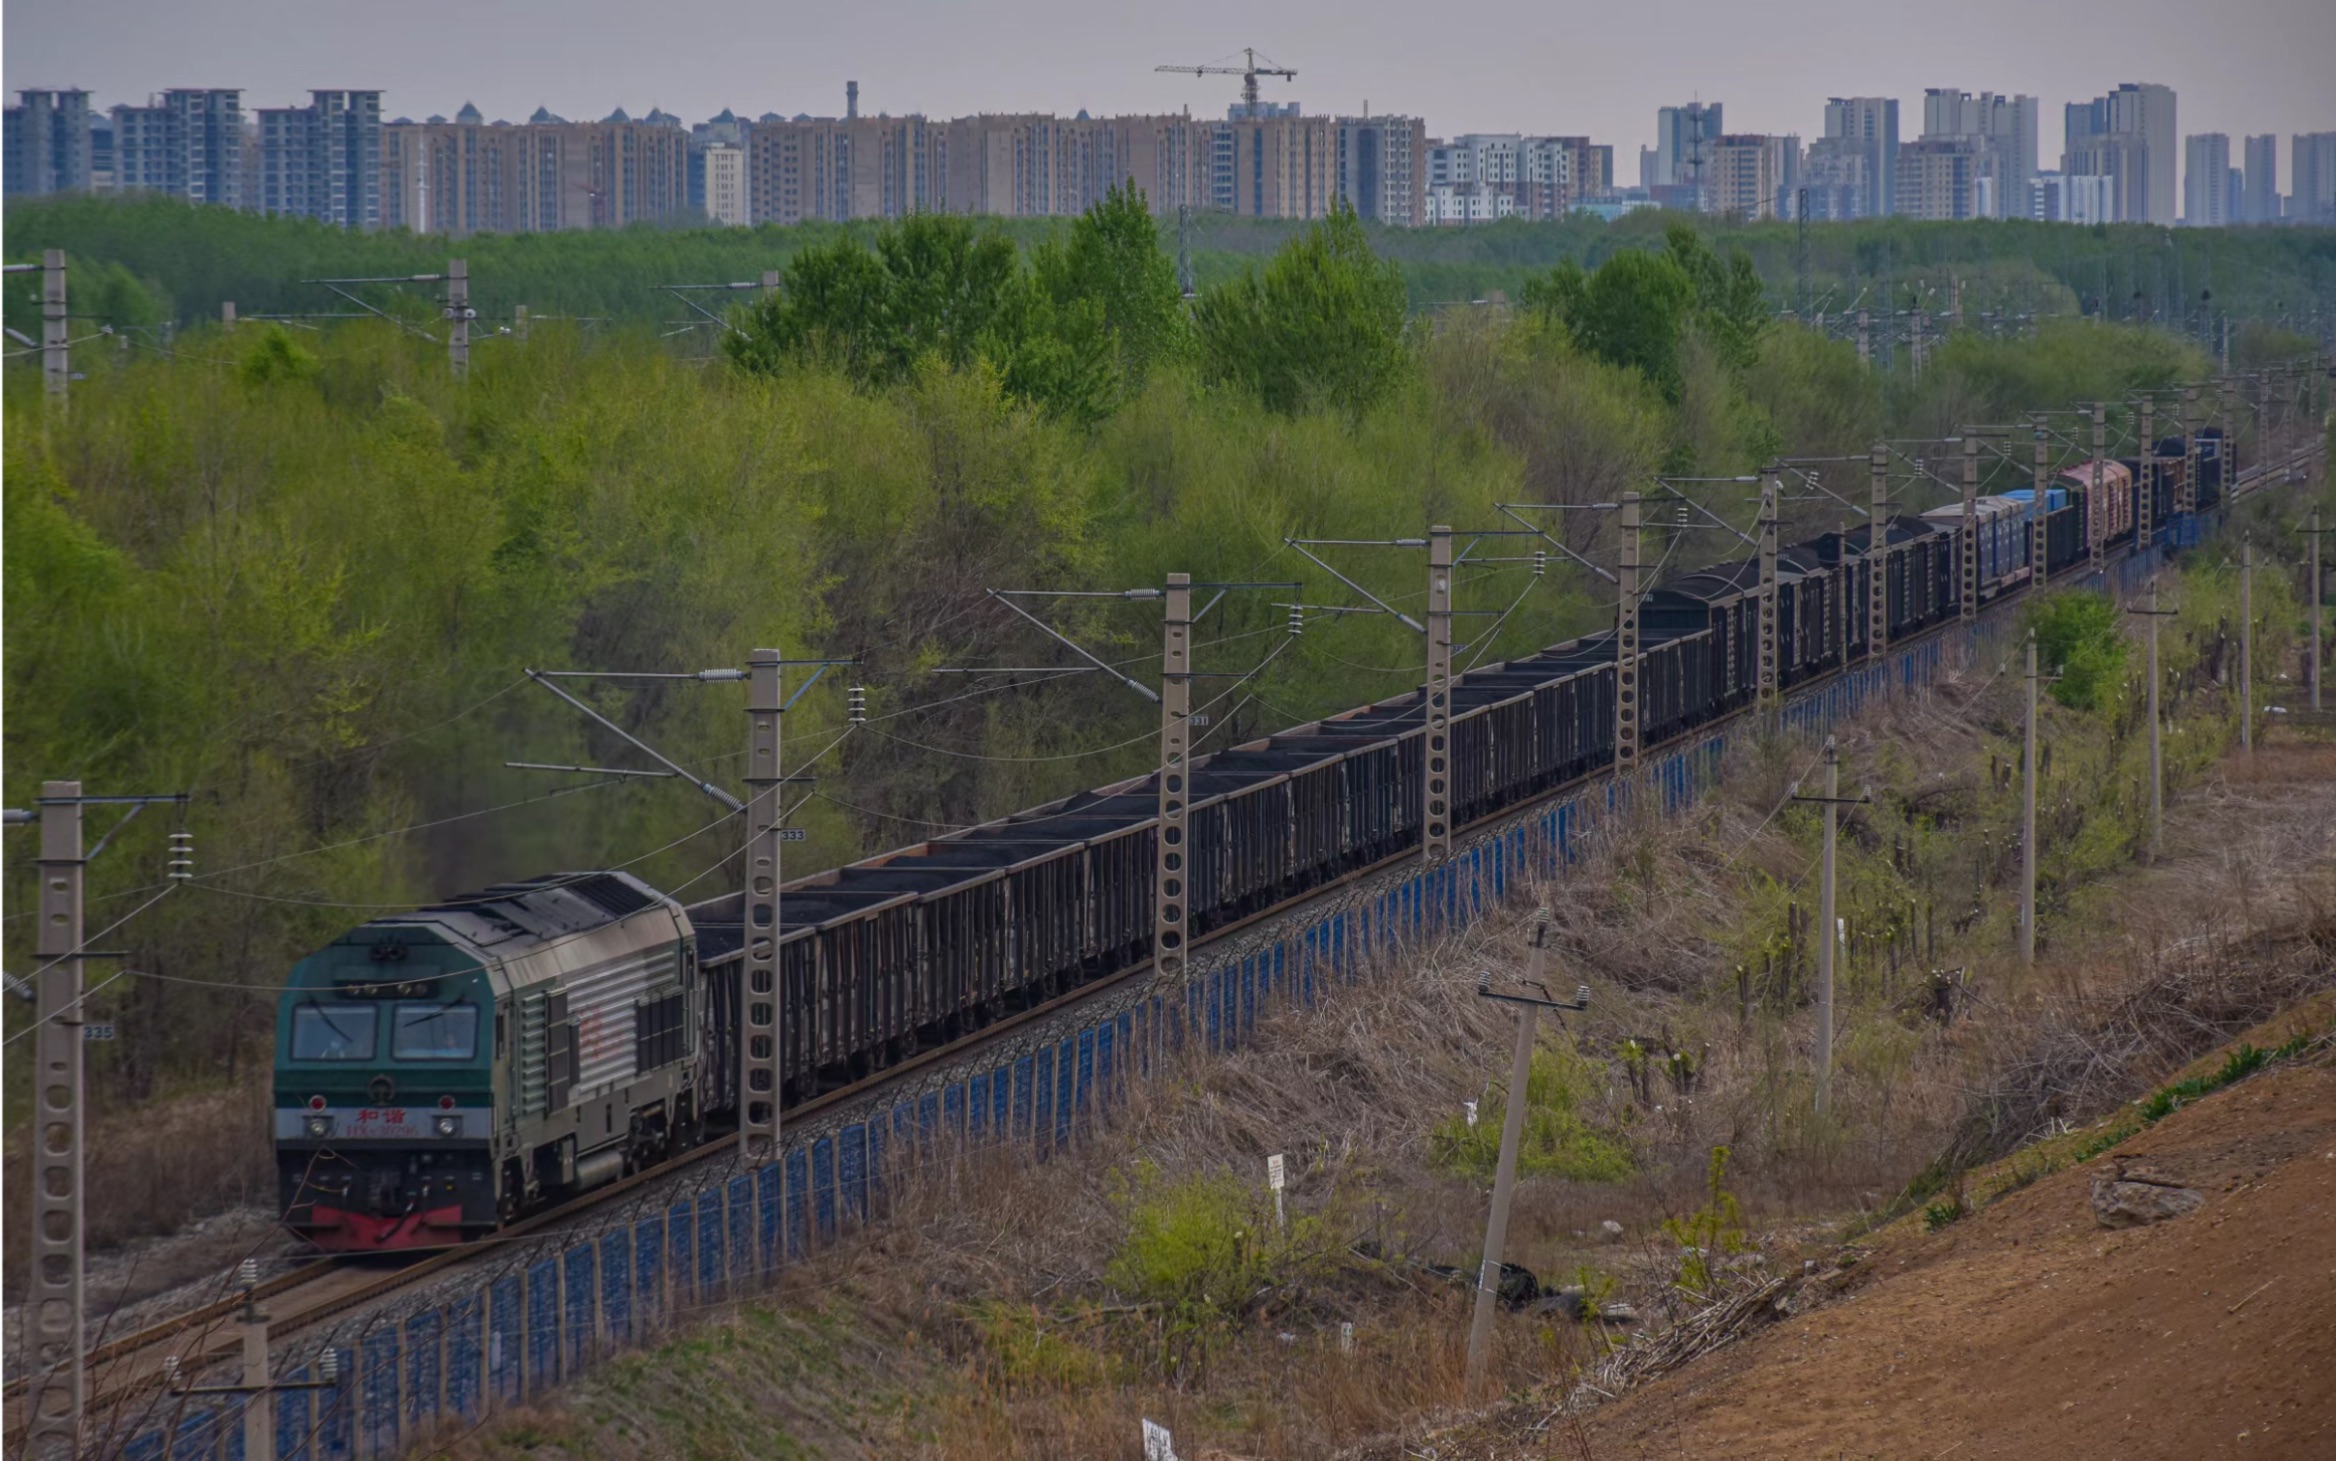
{"x": 2246, "y": 68}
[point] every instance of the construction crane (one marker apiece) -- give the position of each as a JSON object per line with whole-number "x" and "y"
{"x": 1248, "y": 74}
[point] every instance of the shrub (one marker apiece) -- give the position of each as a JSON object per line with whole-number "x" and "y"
{"x": 1203, "y": 1250}
{"x": 1557, "y": 1140}
{"x": 2076, "y": 635}
{"x": 1713, "y": 1231}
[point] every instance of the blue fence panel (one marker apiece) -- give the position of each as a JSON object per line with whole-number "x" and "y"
{"x": 852, "y": 1170}
{"x": 196, "y": 1437}
{"x": 904, "y": 1129}
{"x": 742, "y": 1250}
{"x": 425, "y": 1375}
{"x": 648, "y": 1274}
{"x": 798, "y": 1205}
{"x": 506, "y": 1340}
{"x": 377, "y": 1416}
{"x": 681, "y": 1271}
{"x": 928, "y": 1120}
{"x": 577, "y": 1314}
{"x": 1107, "y": 1042}
{"x": 1001, "y": 1102}
{"x": 769, "y": 1208}
{"x": 295, "y": 1416}
{"x": 1025, "y": 1095}
{"x": 1083, "y": 1089}
{"x": 465, "y": 1360}
{"x": 146, "y": 1446}
{"x": 823, "y": 1186}
{"x": 543, "y": 1326}
{"x": 616, "y": 1286}
{"x": 713, "y": 1256}
{"x": 1043, "y": 1097}
{"x": 336, "y": 1417}
{"x": 1066, "y": 1059}
{"x": 876, "y": 1173}
{"x": 1248, "y": 998}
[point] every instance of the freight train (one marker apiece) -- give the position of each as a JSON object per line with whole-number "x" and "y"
{"x": 441, "y": 1072}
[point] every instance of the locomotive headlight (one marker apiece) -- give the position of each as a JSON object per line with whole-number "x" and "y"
{"x": 449, "y": 1126}
{"x": 320, "y": 1127}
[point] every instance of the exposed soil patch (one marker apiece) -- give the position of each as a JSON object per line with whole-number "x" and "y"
{"x": 2028, "y": 1330}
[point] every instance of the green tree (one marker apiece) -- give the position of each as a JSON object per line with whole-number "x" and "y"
{"x": 1629, "y": 312}
{"x": 1323, "y": 324}
{"x": 1113, "y": 259}
{"x": 1731, "y": 305}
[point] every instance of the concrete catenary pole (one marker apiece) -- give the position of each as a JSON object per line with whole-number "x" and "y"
{"x": 56, "y": 1395}
{"x": 1826, "y": 937}
{"x": 1769, "y": 677}
{"x": 1168, "y": 921}
{"x": 1968, "y": 561}
{"x": 2039, "y": 533}
{"x": 2316, "y": 613}
{"x": 760, "y": 1065}
{"x": 56, "y": 354}
{"x": 458, "y": 317}
{"x": 1436, "y": 750}
{"x": 1626, "y": 662}
{"x": 2186, "y": 500}
{"x": 2157, "y": 754}
{"x": 2097, "y": 500}
{"x": 2028, "y": 774}
{"x": 2145, "y": 492}
{"x": 1504, "y": 1180}
{"x": 1878, "y": 550}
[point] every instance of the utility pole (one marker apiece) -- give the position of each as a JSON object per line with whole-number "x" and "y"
{"x": 2028, "y": 819}
{"x": 1626, "y": 665}
{"x": 1435, "y": 840}
{"x": 1828, "y": 922}
{"x": 1175, "y": 751}
{"x": 56, "y": 356}
{"x": 760, "y": 1066}
{"x": 1769, "y": 482}
{"x": 1865, "y": 337}
{"x": 2315, "y": 536}
{"x": 1970, "y": 545}
{"x": 227, "y": 314}
{"x": 519, "y": 324}
{"x": 1878, "y": 549}
{"x": 459, "y": 314}
{"x": 1825, "y": 927}
{"x": 2157, "y": 763}
{"x": 1504, "y": 1181}
{"x": 2247, "y": 645}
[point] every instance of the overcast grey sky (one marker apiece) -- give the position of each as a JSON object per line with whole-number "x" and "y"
{"x": 2238, "y": 66}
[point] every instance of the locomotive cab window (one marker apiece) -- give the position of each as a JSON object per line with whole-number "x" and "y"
{"x": 434, "y": 1032}
{"x": 333, "y": 1031}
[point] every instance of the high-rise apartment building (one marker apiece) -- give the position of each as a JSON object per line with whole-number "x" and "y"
{"x": 2062, "y": 198}
{"x": 1753, "y": 176}
{"x": 1683, "y": 138}
{"x": 323, "y": 160}
{"x": 49, "y": 144}
{"x": 1866, "y": 127}
{"x": 470, "y": 176}
{"x": 1382, "y": 168}
{"x": 2262, "y": 205}
{"x": 721, "y": 171}
{"x": 188, "y": 143}
{"x": 1836, "y": 173}
{"x": 2312, "y": 177}
{"x": 2004, "y": 130}
{"x": 1939, "y": 178}
{"x": 2128, "y": 135}
{"x": 2206, "y": 175}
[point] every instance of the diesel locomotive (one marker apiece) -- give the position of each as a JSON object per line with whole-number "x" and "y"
{"x": 440, "y": 1072}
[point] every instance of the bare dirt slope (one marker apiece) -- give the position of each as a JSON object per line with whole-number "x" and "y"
{"x": 2029, "y": 1330}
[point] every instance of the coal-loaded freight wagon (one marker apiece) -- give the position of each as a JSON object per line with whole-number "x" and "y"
{"x": 444, "y": 1071}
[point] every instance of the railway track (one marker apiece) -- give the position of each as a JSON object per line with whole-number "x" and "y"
{"x": 317, "y": 1292}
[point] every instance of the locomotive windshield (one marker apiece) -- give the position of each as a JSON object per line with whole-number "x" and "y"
{"x": 434, "y": 1032}
{"x": 333, "y": 1031}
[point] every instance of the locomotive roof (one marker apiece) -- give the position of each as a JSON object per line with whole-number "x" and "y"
{"x": 510, "y": 917}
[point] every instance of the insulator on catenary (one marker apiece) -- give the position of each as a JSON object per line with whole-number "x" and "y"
{"x": 182, "y": 856}
{"x": 1297, "y": 620}
{"x": 1540, "y": 562}
{"x": 856, "y": 699}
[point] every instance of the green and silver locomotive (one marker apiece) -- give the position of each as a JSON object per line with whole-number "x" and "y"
{"x": 441, "y": 1072}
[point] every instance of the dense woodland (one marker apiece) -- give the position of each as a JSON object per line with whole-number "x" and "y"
{"x": 299, "y": 571}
